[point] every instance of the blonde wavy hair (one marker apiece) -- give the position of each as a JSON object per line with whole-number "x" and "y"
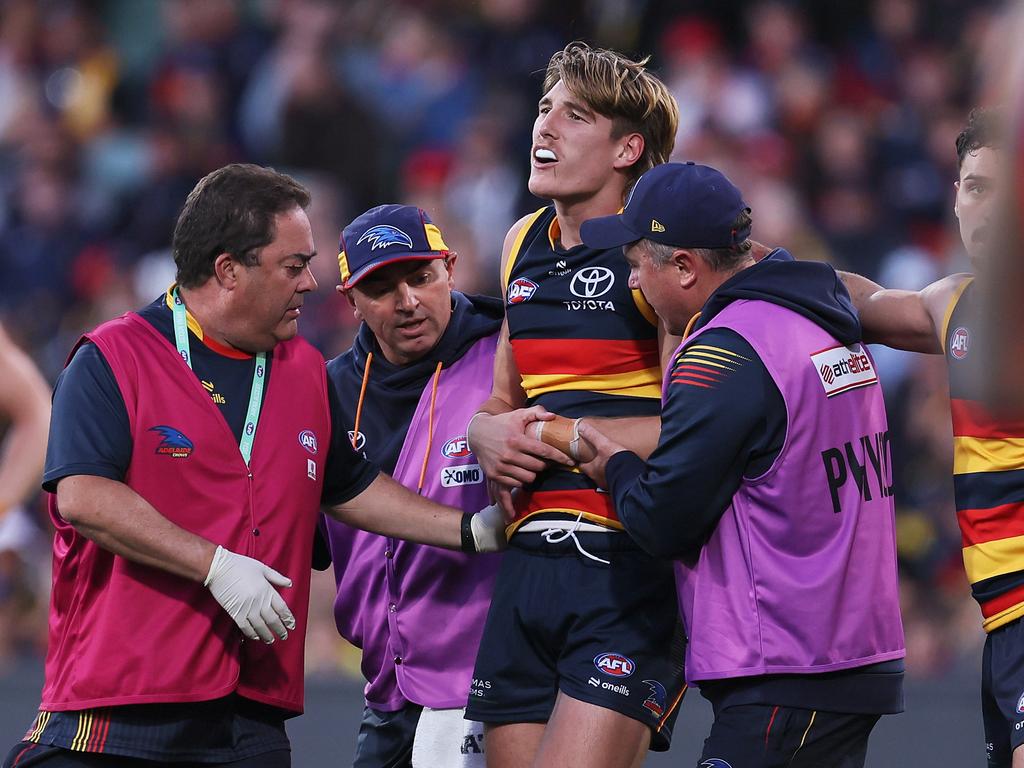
{"x": 624, "y": 91}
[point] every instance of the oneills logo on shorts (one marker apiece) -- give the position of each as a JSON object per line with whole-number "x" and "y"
{"x": 844, "y": 368}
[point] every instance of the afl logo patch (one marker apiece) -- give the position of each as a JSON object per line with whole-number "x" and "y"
{"x": 1020, "y": 705}
{"x": 614, "y": 664}
{"x": 958, "y": 342}
{"x": 520, "y": 290}
{"x": 456, "y": 448}
{"x": 308, "y": 440}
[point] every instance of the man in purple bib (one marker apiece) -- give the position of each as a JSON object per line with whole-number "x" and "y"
{"x": 421, "y": 362}
{"x": 771, "y": 484}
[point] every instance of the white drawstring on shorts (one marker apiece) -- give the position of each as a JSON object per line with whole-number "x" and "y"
{"x": 556, "y": 535}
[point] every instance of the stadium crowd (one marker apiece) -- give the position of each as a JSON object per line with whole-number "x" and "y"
{"x": 838, "y": 120}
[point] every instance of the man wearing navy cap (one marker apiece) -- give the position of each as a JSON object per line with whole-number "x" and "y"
{"x": 422, "y": 360}
{"x": 771, "y": 483}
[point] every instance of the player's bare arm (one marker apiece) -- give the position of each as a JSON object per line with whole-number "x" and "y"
{"x": 508, "y": 456}
{"x": 119, "y": 520}
{"x": 390, "y": 509}
{"x": 909, "y": 320}
{"x": 25, "y": 404}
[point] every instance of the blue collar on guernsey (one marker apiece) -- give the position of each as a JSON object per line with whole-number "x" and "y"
{"x": 252, "y": 415}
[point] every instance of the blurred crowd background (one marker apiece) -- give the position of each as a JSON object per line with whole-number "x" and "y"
{"x": 837, "y": 119}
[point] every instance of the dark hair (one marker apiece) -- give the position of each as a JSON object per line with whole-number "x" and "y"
{"x": 719, "y": 259}
{"x": 231, "y": 210}
{"x": 985, "y": 128}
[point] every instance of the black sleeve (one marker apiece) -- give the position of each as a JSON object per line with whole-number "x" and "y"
{"x": 348, "y": 473}
{"x": 723, "y": 419}
{"x": 89, "y": 430}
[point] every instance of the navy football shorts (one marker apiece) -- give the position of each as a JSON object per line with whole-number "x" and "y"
{"x": 1002, "y": 692}
{"x": 766, "y": 736}
{"x": 606, "y": 634}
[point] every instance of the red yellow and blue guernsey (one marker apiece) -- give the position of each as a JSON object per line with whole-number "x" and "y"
{"x": 988, "y": 470}
{"x": 585, "y": 344}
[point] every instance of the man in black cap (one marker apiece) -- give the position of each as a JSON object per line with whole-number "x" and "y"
{"x": 770, "y": 483}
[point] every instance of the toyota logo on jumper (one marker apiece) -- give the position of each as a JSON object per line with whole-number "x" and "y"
{"x": 592, "y": 282}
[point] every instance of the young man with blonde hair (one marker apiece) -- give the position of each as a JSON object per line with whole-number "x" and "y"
{"x": 581, "y": 658}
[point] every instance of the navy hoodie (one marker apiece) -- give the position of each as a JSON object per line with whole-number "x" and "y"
{"x": 715, "y": 433}
{"x": 393, "y": 391}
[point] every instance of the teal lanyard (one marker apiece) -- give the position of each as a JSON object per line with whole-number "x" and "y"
{"x": 252, "y": 415}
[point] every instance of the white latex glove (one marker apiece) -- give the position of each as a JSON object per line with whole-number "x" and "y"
{"x": 244, "y": 587}
{"x": 488, "y": 527}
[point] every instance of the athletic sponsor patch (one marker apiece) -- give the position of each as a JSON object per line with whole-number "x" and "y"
{"x": 841, "y": 369}
{"x": 464, "y": 474}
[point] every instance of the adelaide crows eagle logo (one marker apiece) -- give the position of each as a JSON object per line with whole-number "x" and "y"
{"x": 384, "y": 235}
{"x": 174, "y": 444}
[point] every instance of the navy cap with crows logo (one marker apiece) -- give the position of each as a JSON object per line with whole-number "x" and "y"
{"x": 385, "y": 235}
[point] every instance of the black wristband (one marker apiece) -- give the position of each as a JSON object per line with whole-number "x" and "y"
{"x": 468, "y": 544}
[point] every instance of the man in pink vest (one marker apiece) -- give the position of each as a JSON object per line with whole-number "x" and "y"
{"x": 422, "y": 360}
{"x": 771, "y": 483}
{"x": 191, "y": 447}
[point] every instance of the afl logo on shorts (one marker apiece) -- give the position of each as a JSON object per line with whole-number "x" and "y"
{"x": 958, "y": 343}
{"x": 456, "y": 448}
{"x": 1020, "y": 705}
{"x": 308, "y": 440}
{"x": 520, "y": 290}
{"x": 614, "y": 664}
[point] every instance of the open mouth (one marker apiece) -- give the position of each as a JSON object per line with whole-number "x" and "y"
{"x": 543, "y": 156}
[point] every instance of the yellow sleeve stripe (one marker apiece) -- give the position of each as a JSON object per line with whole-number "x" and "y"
{"x": 517, "y": 245}
{"x": 702, "y": 361}
{"x": 993, "y": 558}
{"x": 645, "y": 309}
{"x": 643, "y": 383}
{"x": 193, "y": 324}
{"x": 977, "y": 454}
{"x": 719, "y": 350}
{"x": 702, "y": 356}
{"x": 952, "y": 305}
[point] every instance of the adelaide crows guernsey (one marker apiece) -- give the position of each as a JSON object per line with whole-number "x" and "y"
{"x": 988, "y": 470}
{"x": 585, "y": 344}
